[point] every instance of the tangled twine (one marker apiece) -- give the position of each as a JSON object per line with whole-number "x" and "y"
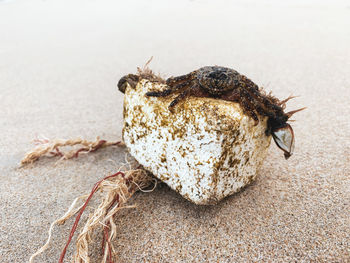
{"x": 116, "y": 190}
{"x": 46, "y": 147}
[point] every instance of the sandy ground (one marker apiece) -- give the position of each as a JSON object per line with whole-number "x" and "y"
{"x": 59, "y": 64}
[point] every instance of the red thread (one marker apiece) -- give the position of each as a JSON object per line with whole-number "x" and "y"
{"x": 74, "y": 227}
{"x": 94, "y": 149}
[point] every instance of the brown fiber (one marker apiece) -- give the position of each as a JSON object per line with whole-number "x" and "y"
{"x": 116, "y": 190}
{"x": 51, "y": 148}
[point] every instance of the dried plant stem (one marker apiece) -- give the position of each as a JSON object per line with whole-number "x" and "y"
{"x": 117, "y": 189}
{"x": 52, "y": 148}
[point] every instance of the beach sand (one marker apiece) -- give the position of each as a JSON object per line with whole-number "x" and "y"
{"x": 59, "y": 65}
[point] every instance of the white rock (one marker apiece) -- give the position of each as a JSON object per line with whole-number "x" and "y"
{"x": 206, "y": 150}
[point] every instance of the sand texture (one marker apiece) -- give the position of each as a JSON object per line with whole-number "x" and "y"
{"x": 59, "y": 65}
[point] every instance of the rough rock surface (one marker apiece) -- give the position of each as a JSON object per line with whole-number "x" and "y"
{"x": 206, "y": 149}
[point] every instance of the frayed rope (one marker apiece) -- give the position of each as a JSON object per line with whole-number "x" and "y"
{"x": 118, "y": 189}
{"x": 51, "y": 148}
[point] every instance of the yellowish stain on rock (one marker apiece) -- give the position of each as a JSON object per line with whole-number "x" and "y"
{"x": 205, "y": 150}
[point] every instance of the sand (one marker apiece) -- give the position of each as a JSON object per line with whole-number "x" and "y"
{"x": 59, "y": 65}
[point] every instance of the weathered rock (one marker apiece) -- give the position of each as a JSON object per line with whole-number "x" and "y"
{"x": 206, "y": 150}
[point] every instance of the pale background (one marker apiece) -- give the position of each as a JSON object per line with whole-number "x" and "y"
{"x": 59, "y": 65}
